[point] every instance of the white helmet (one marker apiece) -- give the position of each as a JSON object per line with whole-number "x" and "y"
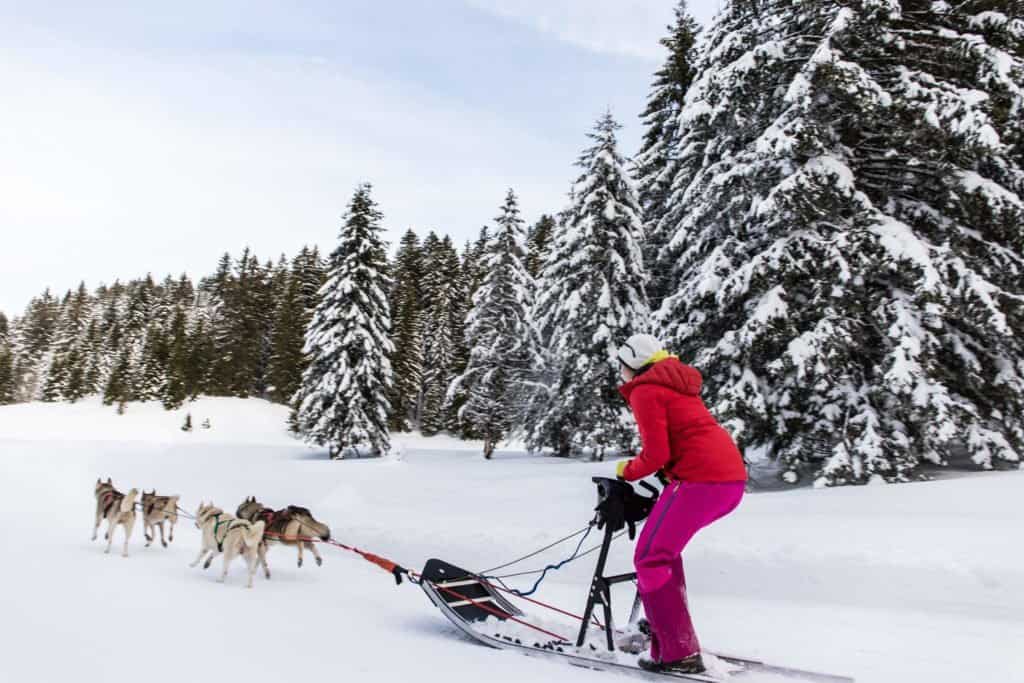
{"x": 638, "y": 350}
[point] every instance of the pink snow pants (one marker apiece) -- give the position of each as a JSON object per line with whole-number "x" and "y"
{"x": 683, "y": 509}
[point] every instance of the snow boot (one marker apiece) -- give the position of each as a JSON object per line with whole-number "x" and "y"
{"x": 688, "y": 665}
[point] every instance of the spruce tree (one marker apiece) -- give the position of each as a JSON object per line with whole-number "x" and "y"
{"x": 286, "y": 361}
{"x": 590, "y": 299}
{"x": 498, "y": 329}
{"x": 61, "y": 352}
{"x": 343, "y": 400}
{"x": 93, "y": 364}
{"x": 311, "y": 273}
{"x": 175, "y": 389}
{"x": 404, "y": 302}
{"x": 151, "y": 372}
{"x": 247, "y": 328}
{"x": 848, "y": 262}
{"x": 8, "y": 390}
{"x": 118, "y": 389}
{"x": 538, "y": 244}
{"x": 220, "y": 290}
{"x": 443, "y": 333}
{"x": 292, "y": 316}
{"x": 475, "y": 263}
{"x": 655, "y": 164}
{"x": 201, "y": 352}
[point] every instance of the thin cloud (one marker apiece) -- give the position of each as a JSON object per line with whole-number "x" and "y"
{"x": 622, "y": 27}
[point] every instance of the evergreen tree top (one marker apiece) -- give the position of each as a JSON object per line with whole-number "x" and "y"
{"x": 360, "y": 232}
{"x": 677, "y": 73}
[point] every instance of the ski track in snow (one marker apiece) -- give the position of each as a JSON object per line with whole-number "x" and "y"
{"x": 918, "y": 582}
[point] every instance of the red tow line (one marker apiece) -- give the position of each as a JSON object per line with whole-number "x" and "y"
{"x": 387, "y": 565}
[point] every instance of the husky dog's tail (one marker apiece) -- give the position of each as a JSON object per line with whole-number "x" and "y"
{"x": 253, "y": 534}
{"x": 128, "y": 502}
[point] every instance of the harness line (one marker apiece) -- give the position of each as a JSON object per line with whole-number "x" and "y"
{"x": 398, "y": 572}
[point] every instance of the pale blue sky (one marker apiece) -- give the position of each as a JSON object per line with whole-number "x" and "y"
{"x": 145, "y": 136}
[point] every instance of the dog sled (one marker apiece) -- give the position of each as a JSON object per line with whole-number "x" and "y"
{"x": 483, "y": 609}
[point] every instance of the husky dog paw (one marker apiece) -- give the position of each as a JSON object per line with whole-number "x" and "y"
{"x": 319, "y": 561}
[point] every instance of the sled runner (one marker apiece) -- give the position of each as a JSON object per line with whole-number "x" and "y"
{"x": 478, "y": 608}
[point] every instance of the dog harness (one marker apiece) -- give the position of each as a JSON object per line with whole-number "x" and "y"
{"x": 230, "y": 523}
{"x": 110, "y": 498}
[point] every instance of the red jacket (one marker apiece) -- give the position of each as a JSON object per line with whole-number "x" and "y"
{"x": 679, "y": 435}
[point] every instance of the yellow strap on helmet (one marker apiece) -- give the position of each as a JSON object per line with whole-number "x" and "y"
{"x": 659, "y": 355}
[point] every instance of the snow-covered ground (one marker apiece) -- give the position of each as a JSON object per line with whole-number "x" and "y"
{"x": 921, "y": 582}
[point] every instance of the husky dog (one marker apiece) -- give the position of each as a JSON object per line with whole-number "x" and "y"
{"x": 117, "y": 508}
{"x": 155, "y": 511}
{"x": 227, "y": 534}
{"x": 293, "y": 525}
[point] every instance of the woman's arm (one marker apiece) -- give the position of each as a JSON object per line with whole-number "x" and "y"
{"x": 652, "y": 418}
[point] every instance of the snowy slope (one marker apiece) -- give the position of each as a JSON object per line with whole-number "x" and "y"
{"x": 908, "y": 583}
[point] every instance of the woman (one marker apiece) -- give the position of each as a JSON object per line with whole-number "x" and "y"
{"x": 706, "y": 478}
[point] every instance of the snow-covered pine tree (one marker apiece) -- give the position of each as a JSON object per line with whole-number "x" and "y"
{"x": 311, "y": 273}
{"x": 93, "y": 350}
{"x": 461, "y": 304}
{"x": 8, "y": 390}
{"x": 32, "y": 342}
{"x": 249, "y": 327}
{"x": 404, "y": 303}
{"x": 66, "y": 377}
{"x": 118, "y": 389}
{"x": 655, "y": 164}
{"x": 497, "y": 328}
{"x": 443, "y": 336}
{"x": 849, "y": 264}
{"x": 150, "y": 377}
{"x": 343, "y": 400}
{"x": 474, "y": 264}
{"x": 175, "y": 389}
{"x": 590, "y": 298}
{"x": 51, "y": 380}
{"x": 287, "y": 338}
{"x": 219, "y": 289}
{"x": 538, "y": 243}
{"x": 201, "y": 351}
{"x": 108, "y": 349}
